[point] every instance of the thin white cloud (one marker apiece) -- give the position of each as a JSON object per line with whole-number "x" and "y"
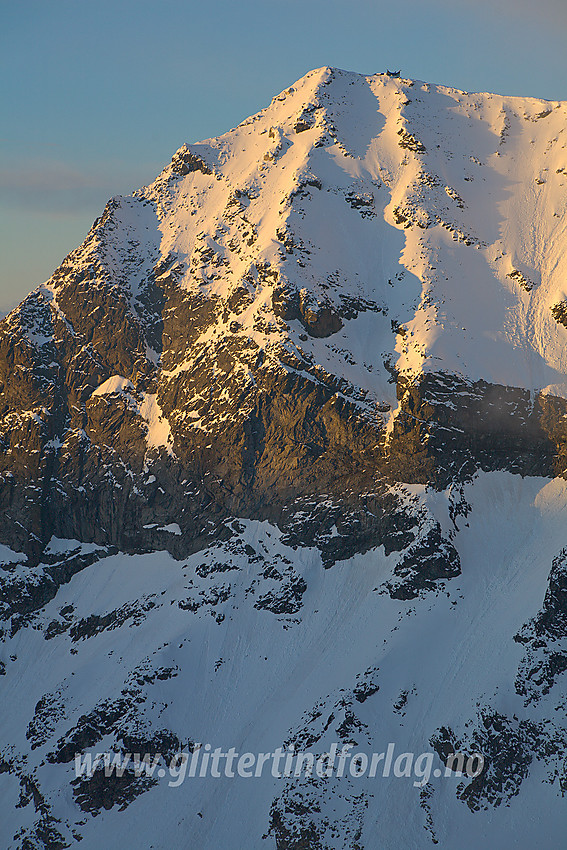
{"x": 56, "y": 187}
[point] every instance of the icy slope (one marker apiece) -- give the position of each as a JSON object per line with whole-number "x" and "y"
{"x": 142, "y": 650}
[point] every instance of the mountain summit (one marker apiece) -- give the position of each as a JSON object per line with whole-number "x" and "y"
{"x": 282, "y": 458}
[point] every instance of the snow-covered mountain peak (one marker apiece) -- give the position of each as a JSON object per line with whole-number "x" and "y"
{"x": 346, "y": 185}
{"x": 439, "y": 210}
{"x": 289, "y": 426}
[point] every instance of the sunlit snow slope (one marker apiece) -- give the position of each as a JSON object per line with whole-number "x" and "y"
{"x": 475, "y": 185}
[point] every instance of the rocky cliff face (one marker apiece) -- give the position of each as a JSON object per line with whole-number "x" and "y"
{"x": 302, "y": 362}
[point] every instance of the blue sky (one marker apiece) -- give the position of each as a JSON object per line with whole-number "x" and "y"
{"x": 97, "y": 96}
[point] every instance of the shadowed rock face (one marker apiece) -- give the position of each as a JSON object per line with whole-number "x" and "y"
{"x": 270, "y": 433}
{"x": 271, "y": 430}
{"x": 448, "y": 428}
